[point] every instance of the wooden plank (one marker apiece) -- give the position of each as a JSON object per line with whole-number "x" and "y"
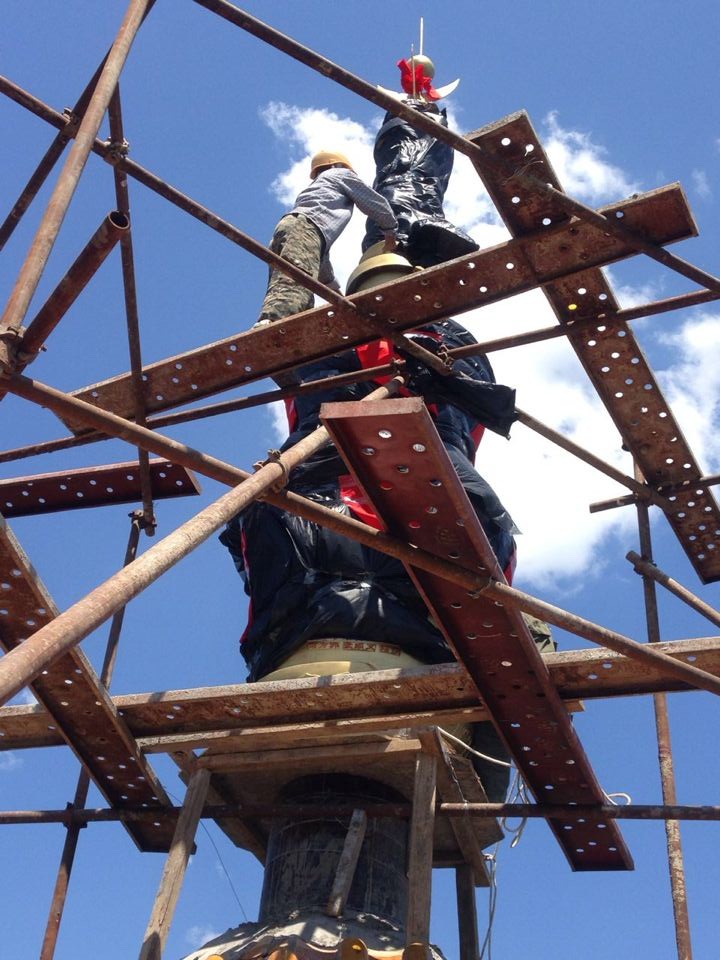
{"x": 465, "y": 829}
{"x": 306, "y": 734}
{"x": 469, "y": 943}
{"x": 299, "y": 757}
{"x": 609, "y": 353}
{"x": 420, "y": 855}
{"x": 473, "y": 281}
{"x": 175, "y": 866}
{"x": 359, "y": 698}
{"x": 394, "y": 452}
{"x": 77, "y": 708}
{"x": 347, "y": 864}
{"x": 93, "y": 487}
{"x": 239, "y": 831}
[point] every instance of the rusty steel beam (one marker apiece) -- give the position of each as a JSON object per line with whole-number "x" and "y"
{"x": 88, "y": 262}
{"x": 481, "y": 158}
{"x": 475, "y": 280}
{"x": 73, "y": 625}
{"x": 610, "y": 354}
{"x": 411, "y": 697}
{"x": 665, "y": 490}
{"x": 640, "y": 490}
{"x": 394, "y": 452}
{"x": 79, "y": 708}
{"x": 47, "y": 232}
{"x": 66, "y": 405}
{"x": 91, "y": 487}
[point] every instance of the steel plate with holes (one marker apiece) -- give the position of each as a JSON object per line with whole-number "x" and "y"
{"x": 609, "y": 352}
{"x": 79, "y": 708}
{"x": 412, "y": 696}
{"x": 394, "y": 451}
{"x": 473, "y": 281}
{"x": 92, "y": 487}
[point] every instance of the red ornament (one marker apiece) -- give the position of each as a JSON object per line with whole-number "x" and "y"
{"x": 414, "y": 82}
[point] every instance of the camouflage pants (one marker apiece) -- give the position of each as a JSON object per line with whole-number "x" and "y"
{"x": 298, "y": 240}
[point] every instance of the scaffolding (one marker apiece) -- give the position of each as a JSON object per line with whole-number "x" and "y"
{"x": 557, "y": 245}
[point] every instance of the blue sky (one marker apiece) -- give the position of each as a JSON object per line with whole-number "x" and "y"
{"x": 624, "y": 98}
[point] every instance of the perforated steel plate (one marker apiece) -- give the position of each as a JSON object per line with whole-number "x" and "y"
{"x": 79, "y": 708}
{"x": 473, "y": 281}
{"x": 394, "y": 451}
{"x": 609, "y": 352}
{"x": 92, "y": 487}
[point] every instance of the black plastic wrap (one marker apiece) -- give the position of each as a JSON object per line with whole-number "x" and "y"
{"x": 412, "y": 173}
{"x": 307, "y": 582}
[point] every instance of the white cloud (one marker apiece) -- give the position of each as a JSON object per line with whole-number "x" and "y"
{"x": 581, "y": 167}
{"x": 199, "y": 935}
{"x": 692, "y": 385}
{"x": 9, "y": 761}
{"x": 545, "y": 489}
{"x": 701, "y": 184}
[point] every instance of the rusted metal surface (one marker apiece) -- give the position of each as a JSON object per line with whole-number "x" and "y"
{"x": 423, "y": 695}
{"x": 393, "y": 546}
{"x": 537, "y": 811}
{"x": 78, "y": 707}
{"x": 132, "y": 316}
{"x": 610, "y": 354}
{"x": 92, "y": 487}
{"x": 77, "y": 622}
{"x": 37, "y": 256}
{"x": 648, "y": 569}
{"x": 501, "y": 167}
{"x": 676, "y": 863}
{"x": 72, "y": 835}
{"x": 395, "y": 453}
{"x": 472, "y": 281}
{"x": 88, "y": 262}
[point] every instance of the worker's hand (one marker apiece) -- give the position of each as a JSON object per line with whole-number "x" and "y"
{"x": 390, "y": 243}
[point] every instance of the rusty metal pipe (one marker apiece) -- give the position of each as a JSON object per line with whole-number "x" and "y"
{"x": 37, "y": 257}
{"x": 52, "y": 154}
{"x": 32, "y": 187}
{"x": 72, "y": 407}
{"x": 676, "y": 864}
{"x": 132, "y": 316}
{"x": 67, "y": 859}
{"x": 640, "y": 490}
{"x": 68, "y": 629}
{"x": 649, "y": 569}
{"x": 665, "y": 489}
{"x": 369, "y": 92}
{"x": 86, "y": 265}
{"x": 634, "y": 811}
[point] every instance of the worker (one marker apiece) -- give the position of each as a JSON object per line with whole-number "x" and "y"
{"x": 305, "y": 235}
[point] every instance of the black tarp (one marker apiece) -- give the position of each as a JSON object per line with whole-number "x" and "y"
{"x": 412, "y": 173}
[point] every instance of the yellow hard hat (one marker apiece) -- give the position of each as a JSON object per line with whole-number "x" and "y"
{"x": 326, "y": 158}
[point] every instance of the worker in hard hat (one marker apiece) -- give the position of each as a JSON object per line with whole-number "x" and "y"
{"x": 305, "y": 235}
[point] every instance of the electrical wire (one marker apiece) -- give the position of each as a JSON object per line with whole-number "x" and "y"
{"x": 220, "y": 861}
{"x": 469, "y": 749}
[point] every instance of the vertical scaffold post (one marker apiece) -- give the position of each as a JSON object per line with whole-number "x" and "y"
{"x": 175, "y": 866}
{"x": 667, "y": 769}
{"x": 420, "y": 858}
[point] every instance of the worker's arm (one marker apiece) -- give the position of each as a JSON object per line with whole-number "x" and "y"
{"x": 371, "y": 203}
